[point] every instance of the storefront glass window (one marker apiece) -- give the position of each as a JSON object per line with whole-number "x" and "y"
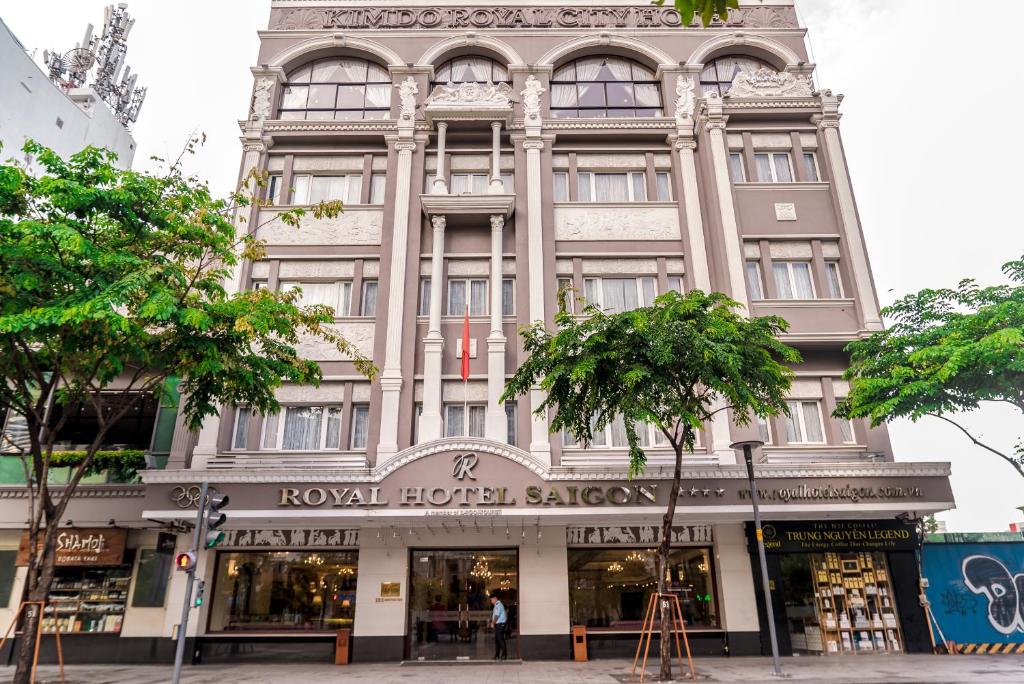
{"x": 609, "y": 588}
{"x": 284, "y": 591}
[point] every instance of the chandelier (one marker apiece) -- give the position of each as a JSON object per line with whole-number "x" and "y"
{"x": 314, "y": 559}
{"x": 636, "y": 557}
{"x": 481, "y": 570}
{"x": 614, "y": 568}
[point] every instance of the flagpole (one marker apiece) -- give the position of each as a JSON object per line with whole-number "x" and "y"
{"x": 465, "y": 372}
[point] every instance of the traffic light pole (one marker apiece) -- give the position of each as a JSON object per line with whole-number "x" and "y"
{"x": 186, "y": 605}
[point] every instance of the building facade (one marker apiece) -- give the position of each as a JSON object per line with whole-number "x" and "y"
{"x": 489, "y": 157}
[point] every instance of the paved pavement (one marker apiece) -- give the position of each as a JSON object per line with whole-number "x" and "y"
{"x": 831, "y": 670}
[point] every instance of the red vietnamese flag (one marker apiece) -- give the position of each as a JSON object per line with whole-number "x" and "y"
{"x": 465, "y": 347}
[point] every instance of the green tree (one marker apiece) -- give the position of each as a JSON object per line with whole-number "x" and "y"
{"x": 707, "y": 9}
{"x": 946, "y": 351}
{"x": 110, "y": 282}
{"x": 673, "y": 365}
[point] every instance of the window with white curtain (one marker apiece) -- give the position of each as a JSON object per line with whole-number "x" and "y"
{"x": 717, "y": 75}
{"x": 336, "y": 294}
{"x": 307, "y": 189}
{"x": 676, "y": 283}
{"x": 773, "y": 167}
{"x": 663, "y": 185}
{"x": 561, "y": 186}
{"x": 736, "y": 171}
{"x": 337, "y": 88}
{"x": 604, "y": 87}
{"x": 508, "y": 297}
{"x": 424, "y": 309}
{"x": 793, "y": 279}
{"x": 378, "y": 183}
{"x": 615, "y": 295}
{"x": 368, "y": 303}
{"x": 303, "y": 428}
{"x": 811, "y": 167}
{"x": 475, "y": 183}
{"x": 803, "y": 424}
{"x": 612, "y": 187}
{"x": 753, "y": 270}
{"x": 846, "y": 433}
{"x": 456, "y": 423}
{"x": 510, "y": 422}
{"x": 833, "y": 280}
{"x": 475, "y": 289}
{"x": 274, "y": 185}
{"x": 243, "y": 418}
{"x": 764, "y": 429}
{"x": 471, "y": 69}
{"x": 360, "y": 426}
{"x": 613, "y": 436}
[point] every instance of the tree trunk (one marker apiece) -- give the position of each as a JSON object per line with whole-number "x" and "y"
{"x": 38, "y": 580}
{"x": 665, "y": 639}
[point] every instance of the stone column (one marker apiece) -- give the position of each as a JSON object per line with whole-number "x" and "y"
{"x": 715, "y": 126}
{"x": 496, "y": 187}
{"x": 495, "y": 426}
{"x": 440, "y": 186}
{"x": 391, "y": 376}
{"x": 828, "y": 123}
{"x": 433, "y": 343}
{"x": 539, "y": 444}
{"x": 685, "y": 145}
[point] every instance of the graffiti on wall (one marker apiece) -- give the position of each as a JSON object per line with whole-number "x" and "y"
{"x": 1003, "y": 589}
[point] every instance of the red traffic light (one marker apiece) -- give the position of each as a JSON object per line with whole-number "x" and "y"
{"x": 185, "y": 561}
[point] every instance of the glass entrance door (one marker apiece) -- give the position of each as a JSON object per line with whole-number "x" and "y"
{"x": 449, "y": 602}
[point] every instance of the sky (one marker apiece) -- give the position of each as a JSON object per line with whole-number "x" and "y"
{"x": 936, "y": 173}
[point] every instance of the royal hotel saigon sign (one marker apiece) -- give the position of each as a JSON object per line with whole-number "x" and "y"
{"x": 510, "y": 17}
{"x": 470, "y": 483}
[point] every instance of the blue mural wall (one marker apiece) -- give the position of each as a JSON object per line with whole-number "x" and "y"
{"x": 977, "y": 590}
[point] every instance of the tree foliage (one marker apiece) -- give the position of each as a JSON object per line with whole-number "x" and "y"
{"x": 673, "y": 365}
{"x": 707, "y": 9}
{"x": 110, "y": 281}
{"x": 945, "y": 352}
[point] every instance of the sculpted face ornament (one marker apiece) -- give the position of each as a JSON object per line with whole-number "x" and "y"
{"x": 462, "y": 466}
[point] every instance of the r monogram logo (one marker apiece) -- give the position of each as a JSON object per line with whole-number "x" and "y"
{"x": 463, "y": 465}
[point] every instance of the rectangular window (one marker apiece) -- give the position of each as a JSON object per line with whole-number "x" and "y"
{"x": 303, "y": 428}
{"x": 243, "y": 415}
{"x": 664, "y": 186}
{"x": 615, "y": 295}
{"x": 614, "y": 436}
{"x": 274, "y": 189}
{"x": 285, "y": 591}
{"x": 316, "y": 189}
{"x": 833, "y": 280}
{"x": 764, "y": 429}
{"x": 773, "y": 167}
{"x": 510, "y": 422}
{"x": 754, "y": 280}
{"x": 811, "y": 167}
{"x": 846, "y": 431}
{"x": 566, "y": 292}
{"x": 417, "y": 413}
{"x": 793, "y": 279}
{"x": 259, "y": 285}
{"x": 476, "y": 288}
{"x": 675, "y": 283}
{"x": 424, "y": 309}
{"x": 609, "y": 589}
{"x": 368, "y": 303}
{"x": 337, "y": 294}
{"x": 612, "y": 187}
{"x": 736, "y": 171}
{"x": 803, "y": 424}
{"x": 378, "y": 183}
{"x": 152, "y": 579}
{"x": 471, "y": 183}
{"x": 456, "y": 423}
{"x": 7, "y": 573}
{"x": 561, "y": 186}
{"x": 508, "y": 297}
{"x": 360, "y": 427}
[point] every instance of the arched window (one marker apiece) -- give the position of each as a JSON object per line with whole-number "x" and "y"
{"x": 340, "y": 88}
{"x": 718, "y": 74}
{"x": 471, "y": 69}
{"x": 603, "y": 87}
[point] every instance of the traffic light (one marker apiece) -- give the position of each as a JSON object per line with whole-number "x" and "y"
{"x": 200, "y": 590}
{"x": 214, "y": 519}
{"x": 185, "y": 561}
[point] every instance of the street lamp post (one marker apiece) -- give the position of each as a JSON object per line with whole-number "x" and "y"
{"x": 748, "y": 458}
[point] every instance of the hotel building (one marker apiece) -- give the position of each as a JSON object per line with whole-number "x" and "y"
{"x": 489, "y": 156}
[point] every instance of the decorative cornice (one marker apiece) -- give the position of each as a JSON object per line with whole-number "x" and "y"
{"x": 443, "y": 204}
{"x": 82, "y": 491}
{"x": 283, "y": 126}
{"x": 628, "y": 124}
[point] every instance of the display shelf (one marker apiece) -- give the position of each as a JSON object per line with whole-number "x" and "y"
{"x": 87, "y": 600}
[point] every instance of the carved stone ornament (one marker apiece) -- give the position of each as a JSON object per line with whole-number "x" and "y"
{"x": 407, "y": 92}
{"x": 768, "y": 83}
{"x": 685, "y": 99}
{"x": 260, "y": 108}
{"x": 531, "y": 98}
{"x": 470, "y": 95}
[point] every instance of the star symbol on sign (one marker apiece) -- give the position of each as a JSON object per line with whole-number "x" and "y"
{"x": 705, "y": 492}
{"x": 720, "y": 492}
{"x": 693, "y": 491}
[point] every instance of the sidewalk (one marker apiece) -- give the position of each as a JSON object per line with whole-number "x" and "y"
{"x": 853, "y": 670}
